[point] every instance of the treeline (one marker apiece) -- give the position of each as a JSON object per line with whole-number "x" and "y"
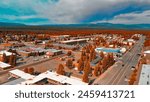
{"x": 62, "y": 31}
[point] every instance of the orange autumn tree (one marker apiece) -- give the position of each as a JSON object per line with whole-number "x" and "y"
{"x": 60, "y": 70}
{"x": 102, "y": 54}
{"x": 69, "y": 53}
{"x": 87, "y": 71}
{"x": 31, "y": 70}
{"x": 111, "y": 59}
{"x": 135, "y": 70}
{"x": 104, "y": 63}
{"x": 25, "y": 70}
{"x": 69, "y": 63}
{"x": 80, "y": 65}
{"x": 12, "y": 60}
{"x": 96, "y": 70}
{"x": 132, "y": 79}
{"x": 85, "y": 78}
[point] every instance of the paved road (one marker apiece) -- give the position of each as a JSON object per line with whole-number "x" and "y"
{"x": 116, "y": 74}
{"x": 132, "y": 60}
{"x": 5, "y": 72}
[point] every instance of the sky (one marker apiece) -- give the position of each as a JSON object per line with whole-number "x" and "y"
{"x": 47, "y": 12}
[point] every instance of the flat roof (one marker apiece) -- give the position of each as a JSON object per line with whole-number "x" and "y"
{"x": 22, "y": 74}
{"x": 107, "y": 50}
{"x": 30, "y": 79}
{"x": 34, "y": 80}
{"x": 6, "y": 52}
{"x": 147, "y": 52}
{"x": 54, "y": 76}
{"x": 23, "y": 51}
{"x": 64, "y": 45}
{"x": 39, "y": 49}
{"x": 132, "y": 40}
{"x": 68, "y": 41}
{"x": 65, "y": 79}
{"x": 14, "y": 82}
{"x": 4, "y": 65}
{"x": 52, "y": 50}
{"x": 145, "y": 75}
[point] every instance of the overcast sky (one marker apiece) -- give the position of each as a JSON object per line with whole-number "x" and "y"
{"x": 36, "y": 12}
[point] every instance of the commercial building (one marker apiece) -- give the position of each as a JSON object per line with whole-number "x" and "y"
{"x": 6, "y": 52}
{"x": 60, "y": 36}
{"x": 108, "y": 50}
{"x": 65, "y": 46}
{"x": 20, "y": 74}
{"x": 145, "y": 75}
{"x": 4, "y": 66}
{"x": 52, "y": 77}
{"x": 53, "y": 52}
{"x": 38, "y": 51}
{"x": 75, "y": 41}
{"x": 24, "y": 53}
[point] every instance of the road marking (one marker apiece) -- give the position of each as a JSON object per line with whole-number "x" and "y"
{"x": 126, "y": 68}
{"x": 127, "y": 64}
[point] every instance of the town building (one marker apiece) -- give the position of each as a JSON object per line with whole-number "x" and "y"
{"x": 7, "y": 56}
{"x": 4, "y": 66}
{"x": 52, "y": 52}
{"x": 145, "y": 75}
{"x": 52, "y": 78}
{"x": 74, "y": 41}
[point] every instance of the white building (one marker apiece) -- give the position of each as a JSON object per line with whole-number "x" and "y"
{"x": 4, "y": 66}
{"x": 6, "y": 52}
{"x": 145, "y": 75}
{"x": 52, "y": 77}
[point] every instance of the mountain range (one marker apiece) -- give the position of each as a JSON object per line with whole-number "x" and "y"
{"x": 83, "y": 26}
{"x": 4, "y": 24}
